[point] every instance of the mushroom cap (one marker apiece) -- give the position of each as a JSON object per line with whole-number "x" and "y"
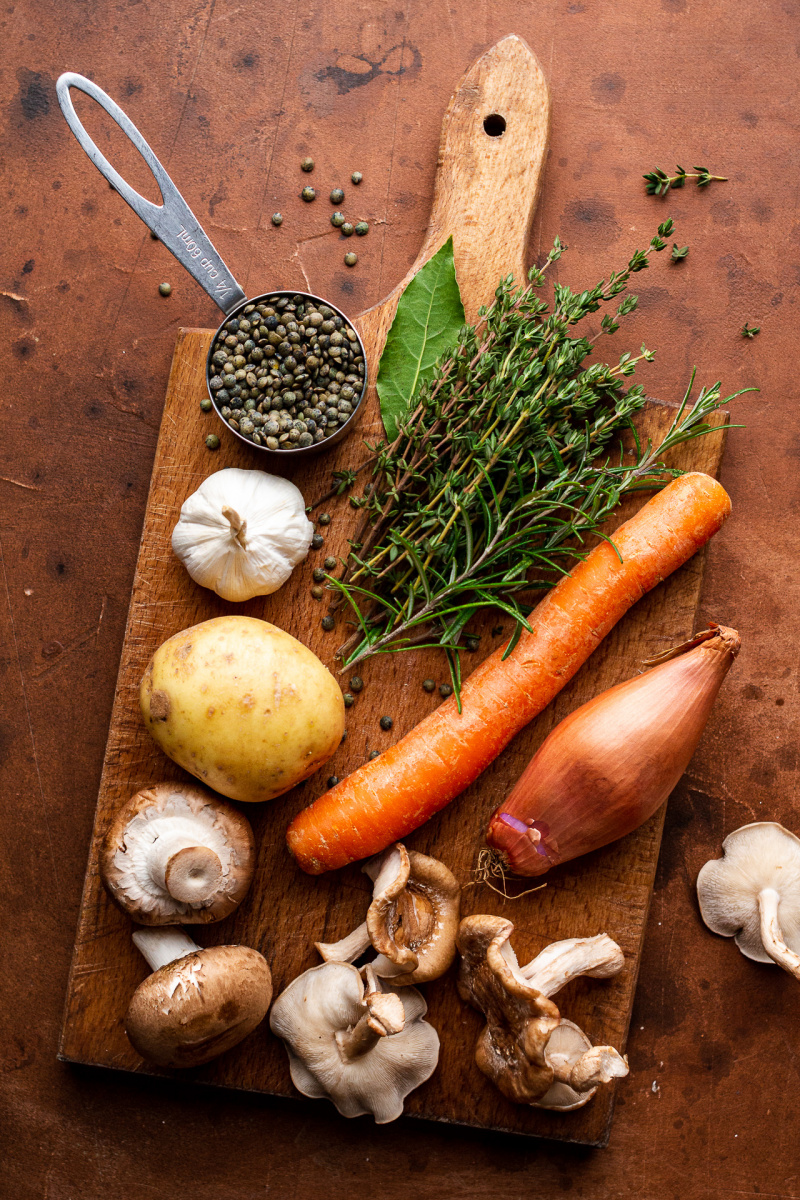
{"x": 191, "y": 816}
{"x": 199, "y": 1006}
{"x": 329, "y": 999}
{"x": 569, "y": 1051}
{"x": 519, "y": 1019}
{"x": 413, "y": 918}
{"x": 755, "y": 857}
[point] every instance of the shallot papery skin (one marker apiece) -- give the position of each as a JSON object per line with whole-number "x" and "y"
{"x": 608, "y": 766}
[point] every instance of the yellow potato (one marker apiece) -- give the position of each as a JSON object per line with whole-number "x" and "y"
{"x": 243, "y": 706}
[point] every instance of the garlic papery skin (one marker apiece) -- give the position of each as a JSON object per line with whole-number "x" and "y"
{"x": 242, "y": 533}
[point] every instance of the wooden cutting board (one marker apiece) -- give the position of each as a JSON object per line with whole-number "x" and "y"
{"x": 486, "y": 192}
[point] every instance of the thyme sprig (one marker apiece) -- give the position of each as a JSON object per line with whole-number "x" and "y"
{"x": 510, "y": 459}
{"x": 658, "y": 182}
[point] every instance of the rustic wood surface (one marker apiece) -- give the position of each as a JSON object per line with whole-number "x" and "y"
{"x": 231, "y": 96}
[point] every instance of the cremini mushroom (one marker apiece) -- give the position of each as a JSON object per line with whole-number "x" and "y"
{"x": 527, "y": 1049}
{"x": 365, "y": 1047}
{"x": 752, "y": 893}
{"x": 177, "y": 853}
{"x": 411, "y": 922}
{"x": 197, "y": 1003}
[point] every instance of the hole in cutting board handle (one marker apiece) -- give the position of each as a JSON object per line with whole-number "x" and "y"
{"x": 494, "y": 125}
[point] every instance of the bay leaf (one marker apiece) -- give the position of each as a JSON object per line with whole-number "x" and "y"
{"x": 426, "y": 324}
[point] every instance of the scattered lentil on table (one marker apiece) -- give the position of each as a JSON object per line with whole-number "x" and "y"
{"x": 325, "y": 519}
{"x": 374, "y": 754}
{"x": 317, "y": 541}
{"x": 386, "y": 723}
{"x": 337, "y": 196}
{"x": 429, "y": 685}
{"x": 328, "y": 624}
{"x": 356, "y": 683}
{"x": 319, "y": 575}
{"x": 445, "y": 689}
{"x": 277, "y": 218}
{"x": 329, "y": 563}
{"x": 347, "y": 229}
{"x": 333, "y": 780}
{"x": 287, "y": 372}
{"x": 337, "y": 220}
{"x": 308, "y": 194}
{"x": 317, "y": 592}
{"x": 350, "y": 259}
{"x": 212, "y": 441}
{"x": 362, "y": 229}
{"x": 307, "y": 164}
{"x": 165, "y": 289}
{"x": 205, "y": 404}
{"x": 356, "y": 177}
{"x": 349, "y": 700}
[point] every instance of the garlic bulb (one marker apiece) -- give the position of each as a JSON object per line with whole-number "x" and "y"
{"x": 242, "y": 533}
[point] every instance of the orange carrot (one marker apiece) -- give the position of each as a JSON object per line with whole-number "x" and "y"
{"x": 386, "y": 798}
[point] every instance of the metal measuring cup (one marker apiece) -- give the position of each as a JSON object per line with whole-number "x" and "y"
{"x": 174, "y": 223}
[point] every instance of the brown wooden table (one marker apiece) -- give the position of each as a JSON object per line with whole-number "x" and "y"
{"x": 231, "y": 96}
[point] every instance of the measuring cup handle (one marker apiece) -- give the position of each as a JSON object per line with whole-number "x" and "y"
{"x": 172, "y": 221}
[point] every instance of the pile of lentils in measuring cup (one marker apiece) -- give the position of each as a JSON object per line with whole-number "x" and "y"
{"x": 287, "y": 372}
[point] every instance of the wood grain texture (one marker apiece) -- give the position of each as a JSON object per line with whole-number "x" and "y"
{"x": 286, "y": 910}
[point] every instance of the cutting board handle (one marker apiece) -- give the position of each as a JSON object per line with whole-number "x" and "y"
{"x": 492, "y": 153}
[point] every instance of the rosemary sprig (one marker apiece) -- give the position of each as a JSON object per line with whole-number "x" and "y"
{"x": 511, "y": 458}
{"x": 658, "y": 182}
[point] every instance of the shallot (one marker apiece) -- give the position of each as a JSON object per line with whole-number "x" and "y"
{"x": 608, "y": 766}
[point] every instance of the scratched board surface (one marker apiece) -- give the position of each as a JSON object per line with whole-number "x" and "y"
{"x": 286, "y": 911}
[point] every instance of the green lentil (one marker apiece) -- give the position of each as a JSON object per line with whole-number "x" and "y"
{"x": 362, "y": 228}
{"x": 429, "y": 685}
{"x": 212, "y": 441}
{"x": 356, "y": 683}
{"x": 330, "y": 563}
{"x": 205, "y": 404}
{"x": 386, "y": 723}
{"x": 325, "y": 519}
{"x": 333, "y": 780}
{"x": 356, "y": 177}
{"x": 277, "y": 218}
{"x": 445, "y": 689}
{"x": 165, "y": 289}
{"x": 307, "y": 164}
{"x": 317, "y": 592}
{"x": 317, "y": 541}
{"x": 328, "y": 624}
{"x": 337, "y": 196}
{"x": 308, "y": 194}
{"x": 374, "y": 754}
{"x": 472, "y": 643}
{"x": 349, "y": 700}
{"x": 350, "y": 259}
{"x": 319, "y": 575}
{"x": 337, "y": 220}
{"x": 347, "y": 229}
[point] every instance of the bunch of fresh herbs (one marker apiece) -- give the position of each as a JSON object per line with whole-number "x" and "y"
{"x": 507, "y": 455}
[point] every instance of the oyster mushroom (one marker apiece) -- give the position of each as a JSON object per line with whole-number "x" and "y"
{"x": 177, "y": 853}
{"x": 197, "y": 1003}
{"x": 527, "y": 1049}
{"x": 360, "y": 1046}
{"x": 411, "y": 922}
{"x": 752, "y": 893}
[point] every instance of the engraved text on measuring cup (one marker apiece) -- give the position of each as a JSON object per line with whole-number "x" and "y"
{"x": 207, "y": 264}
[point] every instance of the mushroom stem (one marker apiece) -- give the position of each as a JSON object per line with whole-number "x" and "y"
{"x": 163, "y": 945}
{"x": 562, "y": 961}
{"x": 347, "y": 949}
{"x": 193, "y": 874}
{"x": 598, "y": 1065}
{"x": 238, "y": 526}
{"x": 383, "y": 1015}
{"x": 772, "y": 935}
